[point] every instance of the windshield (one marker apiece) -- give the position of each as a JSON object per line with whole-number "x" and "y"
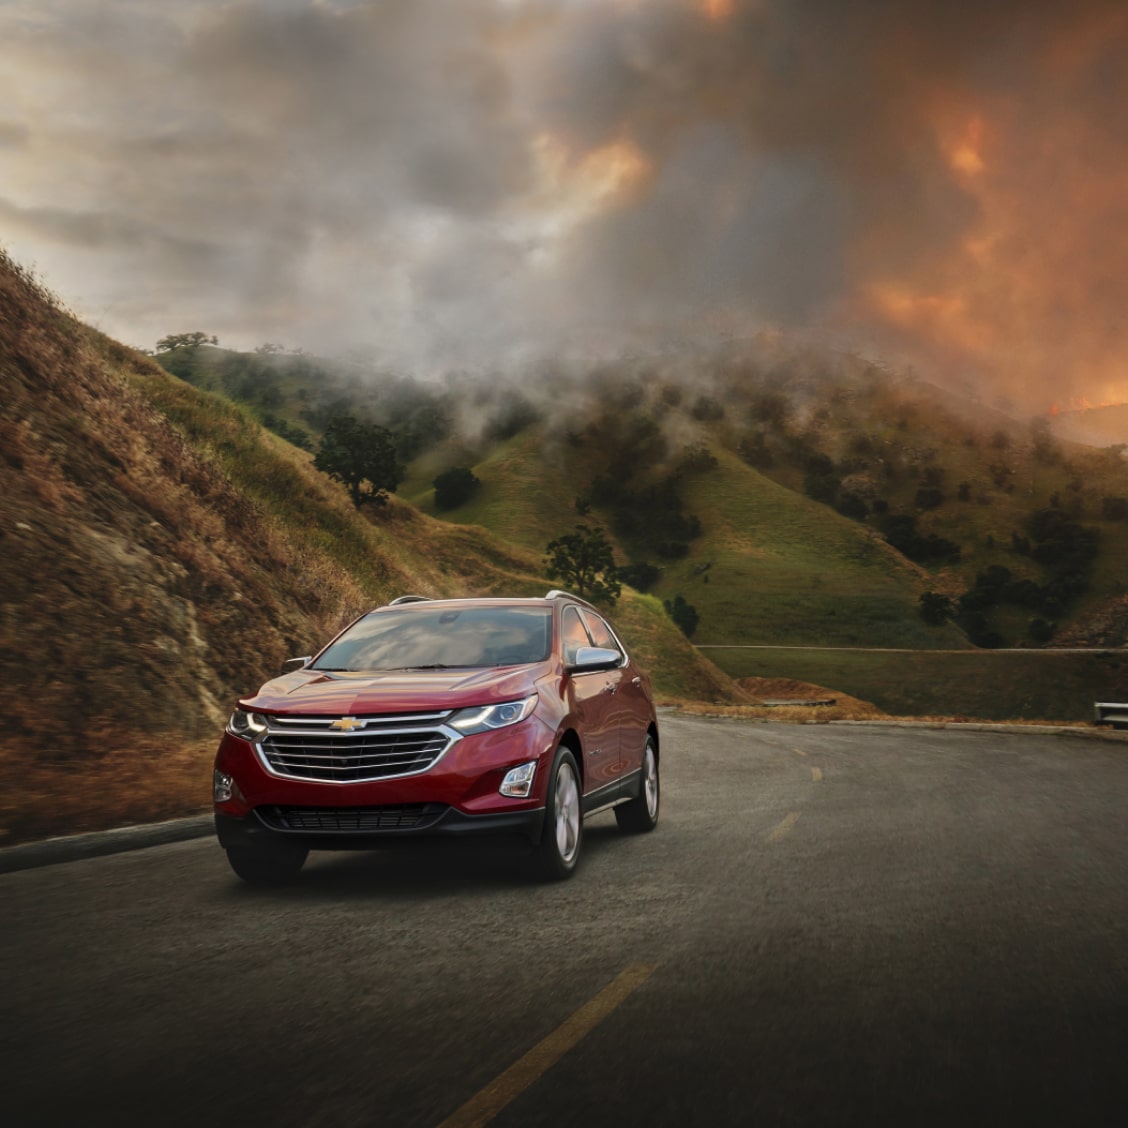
{"x": 441, "y": 637}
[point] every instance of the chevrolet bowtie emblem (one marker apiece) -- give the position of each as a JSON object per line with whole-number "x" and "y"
{"x": 347, "y": 724}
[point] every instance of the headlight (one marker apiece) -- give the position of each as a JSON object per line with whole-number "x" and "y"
{"x": 247, "y": 725}
{"x": 482, "y": 718}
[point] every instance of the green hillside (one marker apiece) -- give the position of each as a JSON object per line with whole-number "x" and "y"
{"x": 789, "y": 495}
{"x": 525, "y": 492}
{"x": 771, "y": 565}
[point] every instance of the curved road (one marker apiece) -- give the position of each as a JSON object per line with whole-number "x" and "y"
{"x": 831, "y": 925}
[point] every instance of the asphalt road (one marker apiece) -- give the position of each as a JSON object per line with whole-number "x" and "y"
{"x": 831, "y": 925}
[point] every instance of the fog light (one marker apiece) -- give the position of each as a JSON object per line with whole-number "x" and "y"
{"x": 518, "y": 781}
{"x": 223, "y": 786}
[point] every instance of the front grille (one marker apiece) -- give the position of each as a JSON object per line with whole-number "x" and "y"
{"x": 352, "y": 820}
{"x": 382, "y": 747}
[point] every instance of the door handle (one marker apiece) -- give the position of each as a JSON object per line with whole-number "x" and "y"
{"x": 636, "y": 682}
{"x": 608, "y": 688}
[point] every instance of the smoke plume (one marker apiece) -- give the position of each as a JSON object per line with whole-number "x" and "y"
{"x": 458, "y": 183}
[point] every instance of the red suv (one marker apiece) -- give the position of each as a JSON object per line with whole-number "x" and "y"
{"x": 442, "y": 718}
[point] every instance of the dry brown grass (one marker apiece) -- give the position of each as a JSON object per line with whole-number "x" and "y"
{"x": 135, "y": 781}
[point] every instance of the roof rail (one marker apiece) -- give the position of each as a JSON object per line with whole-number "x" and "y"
{"x": 410, "y": 599}
{"x": 556, "y": 593}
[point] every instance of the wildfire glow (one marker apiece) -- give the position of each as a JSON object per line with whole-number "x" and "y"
{"x": 591, "y": 181}
{"x": 717, "y": 10}
{"x": 943, "y": 317}
{"x": 1081, "y": 403}
{"x": 612, "y": 170}
{"x": 574, "y": 187}
{"x": 966, "y": 155}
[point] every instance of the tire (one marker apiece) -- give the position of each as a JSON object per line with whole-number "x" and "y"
{"x": 562, "y": 839}
{"x": 641, "y": 813}
{"x": 267, "y": 865}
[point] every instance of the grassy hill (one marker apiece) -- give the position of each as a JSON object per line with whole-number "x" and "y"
{"x": 774, "y": 565}
{"x": 792, "y": 496}
{"x": 164, "y": 554}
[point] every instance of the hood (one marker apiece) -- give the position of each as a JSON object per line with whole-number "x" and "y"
{"x": 400, "y": 691}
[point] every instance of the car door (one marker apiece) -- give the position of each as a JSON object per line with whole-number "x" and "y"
{"x": 627, "y": 697}
{"x": 593, "y": 699}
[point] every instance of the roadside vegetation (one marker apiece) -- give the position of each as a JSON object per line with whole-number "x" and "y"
{"x": 977, "y": 685}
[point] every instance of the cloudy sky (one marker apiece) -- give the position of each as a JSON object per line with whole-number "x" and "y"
{"x": 468, "y": 182}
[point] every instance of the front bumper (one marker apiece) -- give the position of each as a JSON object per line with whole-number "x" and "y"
{"x": 457, "y": 798}
{"x": 368, "y": 828}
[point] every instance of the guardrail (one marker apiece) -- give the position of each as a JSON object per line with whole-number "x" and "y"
{"x": 1110, "y": 713}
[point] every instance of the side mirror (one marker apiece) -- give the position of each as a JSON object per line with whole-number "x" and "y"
{"x": 594, "y": 658}
{"x": 292, "y": 664}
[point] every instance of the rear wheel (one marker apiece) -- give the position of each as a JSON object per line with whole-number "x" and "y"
{"x": 559, "y": 851}
{"x": 273, "y": 864}
{"x": 641, "y": 813}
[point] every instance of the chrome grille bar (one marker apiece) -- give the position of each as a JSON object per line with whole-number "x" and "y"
{"x": 369, "y": 748}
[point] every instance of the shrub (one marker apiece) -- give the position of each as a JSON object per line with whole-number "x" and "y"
{"x": 1114, "y": 508}
{"x": 821, "y": 487}
{"x": 455, "y": 487}
{"x": 935, "y": 608}
{"x": 683, "y": 614}
{"x": 641, "y": 576}
{"x": 707, "y": 410}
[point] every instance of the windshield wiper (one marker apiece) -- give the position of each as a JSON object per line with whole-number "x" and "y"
{"x": 433, "y": 666}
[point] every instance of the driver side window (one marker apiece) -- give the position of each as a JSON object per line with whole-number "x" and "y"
{"x": 574, "y": 633}
{"x": 601, "y": 632}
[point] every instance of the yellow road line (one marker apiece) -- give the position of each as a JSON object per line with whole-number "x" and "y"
{"x": 816, "y": 775}
{"x": 798, "y": 751}
{"x": 785, "y": 826}
{"x": 506, "y": 1087}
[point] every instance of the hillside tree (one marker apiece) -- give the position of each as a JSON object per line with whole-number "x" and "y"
{"x": 935, "y": 608}
{"x": 362, "y": 456}
{"x": 684, "y": 614}
{"x": 185, "y": 341}
{"x": 455, "y": 487}
{"x": 584, "y": 561}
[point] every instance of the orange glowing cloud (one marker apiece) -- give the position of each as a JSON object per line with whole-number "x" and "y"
{"x": 717, "y": 10}
{"x": 592, "y": 180}
{"x": 574, "y": 187}
{"x": 967, "y": 154}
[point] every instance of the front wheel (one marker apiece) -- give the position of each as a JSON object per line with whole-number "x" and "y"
{"x": 641, "y": 813}
{"x": 559, "y": 851}
{"x": 267, "y": 865}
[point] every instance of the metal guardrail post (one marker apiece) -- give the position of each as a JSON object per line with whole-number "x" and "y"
{"x": 1111, "y": 713}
